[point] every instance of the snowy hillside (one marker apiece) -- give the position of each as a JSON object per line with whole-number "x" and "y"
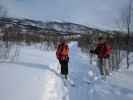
{"x": 35, "y": 76}
{"x": 28, "y": 25}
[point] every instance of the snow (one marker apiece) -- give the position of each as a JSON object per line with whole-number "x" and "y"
{"x": 34, "y": 75}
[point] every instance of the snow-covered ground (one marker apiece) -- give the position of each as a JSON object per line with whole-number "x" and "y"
{"x": 35, "y": 76}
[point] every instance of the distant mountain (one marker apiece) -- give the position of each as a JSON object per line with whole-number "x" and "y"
{"x": 28, "y": 25}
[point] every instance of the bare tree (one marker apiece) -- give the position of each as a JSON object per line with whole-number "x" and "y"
{"x": 125, "y": 24}
{"x": 3, "y": 11}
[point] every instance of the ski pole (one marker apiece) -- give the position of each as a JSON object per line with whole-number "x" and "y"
{"x": 58, "y": 67}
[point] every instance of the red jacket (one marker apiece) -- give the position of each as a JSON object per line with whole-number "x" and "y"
{"x": 103, "y": 50}
{"x": 62, "y": 52}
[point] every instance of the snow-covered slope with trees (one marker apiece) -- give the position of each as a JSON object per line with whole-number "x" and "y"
{"x": 35, "y": 76}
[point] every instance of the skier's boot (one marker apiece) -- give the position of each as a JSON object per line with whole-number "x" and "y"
{"x": 66, "y": 77}
{"x": 103, "y": 77}
{"x": 62, "y": 76}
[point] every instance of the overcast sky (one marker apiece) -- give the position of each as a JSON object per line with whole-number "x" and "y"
{"x": 97, "y": 13}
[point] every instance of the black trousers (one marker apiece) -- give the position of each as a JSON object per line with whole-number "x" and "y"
{"x": 64, "y": 66}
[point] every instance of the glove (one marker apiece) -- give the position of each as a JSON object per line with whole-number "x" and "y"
{"x": 92, "y": 51}
{"x": 67, "y": 59}
{"x": 107, "y": 56}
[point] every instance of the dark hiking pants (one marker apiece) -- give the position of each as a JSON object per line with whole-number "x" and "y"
{"x": 64, "y": 67}
{"x": 100, "y": 66}
{"x": 103, "y": 66}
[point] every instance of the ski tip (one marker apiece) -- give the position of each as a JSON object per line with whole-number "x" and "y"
{"x": 73, "y": 85}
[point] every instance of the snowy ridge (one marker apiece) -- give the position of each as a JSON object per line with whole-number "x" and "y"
{"x": 28, "y": 25}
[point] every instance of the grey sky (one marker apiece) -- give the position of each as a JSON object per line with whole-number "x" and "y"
{"x": 97, "y": 13}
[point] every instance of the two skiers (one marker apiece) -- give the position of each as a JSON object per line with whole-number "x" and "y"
{"x": 103, "y": 50}
{"x": 63, "y": 57}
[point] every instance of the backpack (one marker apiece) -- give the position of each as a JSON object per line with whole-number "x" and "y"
{"x": 62, "y": 51}
{"x": 102, "y": 50}
{"x": 65, "y": 50}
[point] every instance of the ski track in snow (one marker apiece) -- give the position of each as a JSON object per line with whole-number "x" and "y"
{"x": 35, "y": 76}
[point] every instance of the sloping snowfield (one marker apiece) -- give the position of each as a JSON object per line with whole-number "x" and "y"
{"x": 35, "y": 76}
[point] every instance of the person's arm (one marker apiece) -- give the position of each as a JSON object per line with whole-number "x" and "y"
{"x": 68, "y": 53}
{"x": 57, "y": 52}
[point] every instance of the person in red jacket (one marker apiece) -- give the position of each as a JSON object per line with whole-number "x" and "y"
{"x": 63, "y": 57}
{"x": 103, "y": 50}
